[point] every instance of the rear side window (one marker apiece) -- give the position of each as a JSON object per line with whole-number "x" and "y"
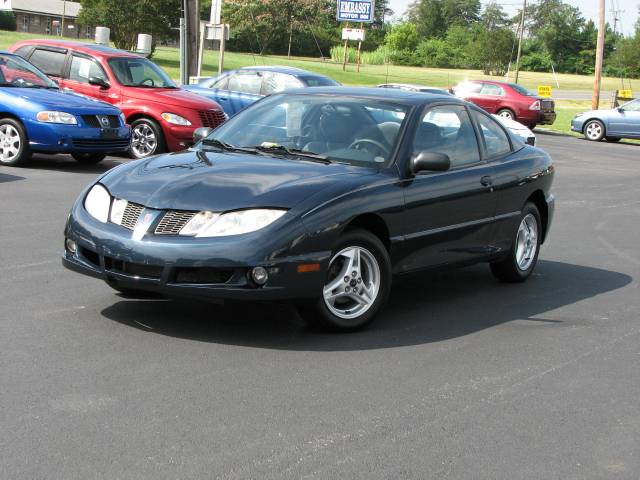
{"x": 275, "y": 82}
{"x": 83, "y": 68}
{"x": 23, "y": 51}
{"x": 48, "y": 61}
{"x": 495, "y": 139}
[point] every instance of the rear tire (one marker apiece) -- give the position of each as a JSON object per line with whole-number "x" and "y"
{"x": 518, "y": 265}
{"x": 14, "y": 144}
{"x": 594, "y": 130}
{"x": 357, "y": 286}
{"x": 88, "y": 158}
{"x": 146, "y": 138}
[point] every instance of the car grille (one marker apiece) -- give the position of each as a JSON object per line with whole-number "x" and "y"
{"x": 173, "y": 221}
{"x": 94, "y": 121}
{"x": 211, "y": 118}
{"x": 135, "y": 269}
{"x": 102, "y": 144}
{"x": 131, "y": 214}
{"x": 202, "y": 275}
{"x": 548, "y": 105}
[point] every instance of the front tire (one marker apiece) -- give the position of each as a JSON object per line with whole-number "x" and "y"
{"x": 518, "y": 265}
{"x": 357, "y": 286}
{"x": 146, "y": 138}
{"x": 14, "y": 145}
{"x": 88, "y": 158}
{"x": 594, "y": 130}
{"x": 506, "y": 113}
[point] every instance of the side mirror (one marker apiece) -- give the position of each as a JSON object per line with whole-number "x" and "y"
{"x": 201, "y": 133}
{"x": 101, "y": 82}
{"x": 620, "y": 109}
{"x": 430, "y": 162}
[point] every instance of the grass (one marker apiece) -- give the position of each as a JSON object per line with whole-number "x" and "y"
{"x": 369, "y": 75}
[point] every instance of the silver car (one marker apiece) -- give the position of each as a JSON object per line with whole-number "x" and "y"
{"x": 613, "y": 124}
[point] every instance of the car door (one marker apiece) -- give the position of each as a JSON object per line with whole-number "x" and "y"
{"x": 625, "y": 121}
{"x": 81, "y": 68}
{"x": 448, "y": 215}
{"x": 470, "y": 91}
{"x": 244, "y": 88}
{"x": 489, "y": 97}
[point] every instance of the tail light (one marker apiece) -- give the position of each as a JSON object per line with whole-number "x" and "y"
{"x": 535, "y": 105}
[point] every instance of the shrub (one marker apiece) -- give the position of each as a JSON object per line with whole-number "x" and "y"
{"x": 7, "y": 21}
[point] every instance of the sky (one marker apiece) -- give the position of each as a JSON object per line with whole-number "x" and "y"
{"x": 589, "y": 9}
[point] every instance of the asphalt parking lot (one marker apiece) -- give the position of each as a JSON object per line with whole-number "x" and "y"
{"x": 460, "y": 377}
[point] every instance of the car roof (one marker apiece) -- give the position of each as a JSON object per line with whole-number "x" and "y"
{"x": 88, "y": 48}
{"x": 393, "y": 94}
{"x": 296, "y": 72}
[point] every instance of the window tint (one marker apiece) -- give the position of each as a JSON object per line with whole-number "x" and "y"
{"x": 490, "y": 89}
{"x": 275, "y": 82}
{"x": 23, "y": 51}
{"x": 448, "y": 129}
{"x": 83, "y": 68}
{"x": 48, "y": 61}
{"x": 246, "y": 82}
{"x": 496, "y": 141}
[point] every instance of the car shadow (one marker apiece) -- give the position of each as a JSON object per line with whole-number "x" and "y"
{"x": 424, "y": 308}
{"x": 65, "y": 163}
{"x": 6, "y": 178}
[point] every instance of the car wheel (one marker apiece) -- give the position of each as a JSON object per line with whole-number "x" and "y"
{"x": 88, "y": 158}
{"x": 523, "y": 256}
{"x": 357, "y": 286}
{"x": 14, "y": 146}
{"x": 594, "y": 130}
{"x": 533, "y": 126}
{"x": 506, "y": 113}
{"x": 146, "y": 138}
{"x": 613, "y": 139}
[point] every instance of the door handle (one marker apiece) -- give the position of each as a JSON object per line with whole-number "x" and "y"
{"x": 486, "y": 181}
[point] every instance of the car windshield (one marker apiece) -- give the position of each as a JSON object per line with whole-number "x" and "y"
{"x": 354, "y": 130}
{"x": 522, "y": 91}
{"x": 139, "y": 72}
{"x": 17, "y": 72}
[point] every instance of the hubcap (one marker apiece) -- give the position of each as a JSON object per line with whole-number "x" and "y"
{"x": 9, "y": 143}
{"x": 527, "y": 242}
{"x": 594, "y": 131}
{"x": 506, "y": 114}
{"x": 354, "y": 282}
{"x": 143, "y": 140}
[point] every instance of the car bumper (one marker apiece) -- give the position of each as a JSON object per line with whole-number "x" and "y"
{"x": 74, "y": 138}
{"x": 216, "y": 268}
{"x": 178, "y": 138}
{"x": 577, "y": 125}
{"x": 551, "y": 208}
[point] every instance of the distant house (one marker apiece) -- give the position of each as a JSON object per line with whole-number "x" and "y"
{"x": 45, "y": 17}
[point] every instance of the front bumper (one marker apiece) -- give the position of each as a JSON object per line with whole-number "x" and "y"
{"x": 177, "y": 137}
{"x": 577, "y": 124}
{"x": 57, "y": 138}
{"x": 216, "y": 268}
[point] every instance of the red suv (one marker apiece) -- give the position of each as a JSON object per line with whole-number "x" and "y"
{"x": 162, "y": 116}
{"x": 508, "y": 100}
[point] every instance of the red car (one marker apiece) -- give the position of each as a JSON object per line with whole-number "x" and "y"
{"x": 508, "y": 100}
{"x": 162, "y": 116}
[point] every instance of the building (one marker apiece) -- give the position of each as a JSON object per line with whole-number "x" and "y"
{"x": 45, "y": 17}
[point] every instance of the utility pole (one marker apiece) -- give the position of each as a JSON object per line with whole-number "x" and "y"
{"x": 595, "y": 101}
{"x": 524, "y": 9}
{"x": 64, "y": 12}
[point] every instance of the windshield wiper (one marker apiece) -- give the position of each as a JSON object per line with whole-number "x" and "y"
{"x": 214, "y": 142}
{"x": 294, "y": 152}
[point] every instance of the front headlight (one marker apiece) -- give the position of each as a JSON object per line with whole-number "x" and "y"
{"x": 209, "y": 224}
{"x": 124, "y": 120}
{"x": 49, "y": 116}
{"x": 97, "y": 203}
{"x": 175, "y": 119}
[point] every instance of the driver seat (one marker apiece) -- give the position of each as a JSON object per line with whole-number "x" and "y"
{"x": 336, "y": 131}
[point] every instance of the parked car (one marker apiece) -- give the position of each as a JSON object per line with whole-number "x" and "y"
{"x": 306, "y": 197}
{"x": 162, "y": 116}
{"x": 613, "y": 124}
{"x": 518, "y": 129}
{"x": 36, "y": 116}
{"x": 237, "y": 89}
{"x": 508, "y": 100}
{"x": 412, "y": 87}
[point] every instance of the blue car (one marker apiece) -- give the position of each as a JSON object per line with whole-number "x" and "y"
{"x": 36, "y": 116}
{"x": 237, "y": 89}
{"x": 613, "y": 124}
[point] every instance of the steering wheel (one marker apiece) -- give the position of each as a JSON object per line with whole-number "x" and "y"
{"x": 153, "y": 84}
{"x": 368, "y": 141}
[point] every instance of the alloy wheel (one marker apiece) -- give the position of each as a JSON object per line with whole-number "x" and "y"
{"x": 506, "y": 114}
{"x": 9, "y": 143}
{"x": 354, "y": 283}
{"x": 594, "y": 131}
{"x": 143, "y": 140}
{"x": 526, "y": 242}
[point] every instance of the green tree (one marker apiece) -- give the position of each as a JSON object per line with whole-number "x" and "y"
{"x": 461, "y": 12}
{"x": 428, "y": 17}
{"x": 7, "y": 21}
{"x": 402, "y": 37}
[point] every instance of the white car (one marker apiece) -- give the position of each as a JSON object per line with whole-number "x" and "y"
{"x": 518, "y": 129}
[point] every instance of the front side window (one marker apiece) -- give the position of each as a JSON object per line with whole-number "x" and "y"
{"x": 495, "y": 139}
{"x": 83, "y": 68}
{"x": 357, "y": 131}
{"x": 245, "y": 82}
{"x": 468, "y": 88}
{"x": 275, "y": 82}
{"x": 490, "y": 89}
{"x": 49, "y": 61}
{"x": 139, "y": 72}
{"x": 17, "y": 72}
{"x": 633, "y": 106}
{"x": 448, "y": 129}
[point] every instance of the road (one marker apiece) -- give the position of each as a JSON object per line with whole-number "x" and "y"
{"x": 461, "y": 377}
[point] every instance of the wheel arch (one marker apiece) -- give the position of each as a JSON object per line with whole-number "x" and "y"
{"x": 138, "y": 115}
{"x": 539, "y": 200}
{"x": 15, "y": 117}
{"x": 374, "y": 224}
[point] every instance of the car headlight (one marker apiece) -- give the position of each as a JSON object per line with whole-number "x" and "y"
{"x": 209, "y": 224}
{"x": 175, "y": 119}
{"x": 50, "y": 116}
{"x": 97, "y": 203}
{"x": 124, "y": 120}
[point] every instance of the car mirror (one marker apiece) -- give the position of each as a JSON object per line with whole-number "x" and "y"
{"x": 201, "y": 133}
{"x": 101, "y": 82}
{"x": 620, "y": 109}
{"x": 430, "y": 162}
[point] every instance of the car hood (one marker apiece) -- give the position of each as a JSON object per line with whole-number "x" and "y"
{"x": 177, "y": 97}
{"x": 205, "y": 180}
{"x": 62, "y": 100}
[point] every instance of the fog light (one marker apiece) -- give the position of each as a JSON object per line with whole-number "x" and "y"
{"x": 259, "y": 275}
{"x": 71, "y": 246}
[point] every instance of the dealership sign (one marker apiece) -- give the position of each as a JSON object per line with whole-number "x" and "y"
{"x": 355, "y": 11}
{"x": 353, "y": 34}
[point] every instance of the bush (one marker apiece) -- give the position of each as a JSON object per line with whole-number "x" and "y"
{"x": 7, "y": 21}
{"x": 536, "y": 62}
{"x": 377, "y": 57}
{"x": 404, "y": 57}
{"x": 403, "y": 37}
